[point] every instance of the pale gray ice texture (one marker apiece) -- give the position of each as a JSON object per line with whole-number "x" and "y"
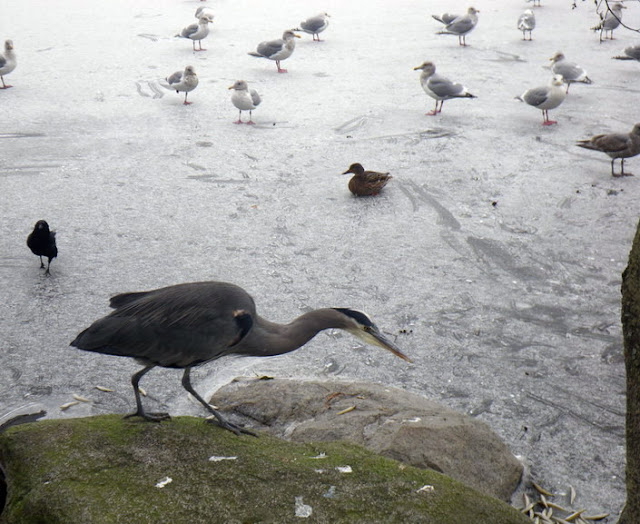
{"x": 493, "y": 258}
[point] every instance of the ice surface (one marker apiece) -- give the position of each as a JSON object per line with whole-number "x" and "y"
{"x": 493, "y": 258}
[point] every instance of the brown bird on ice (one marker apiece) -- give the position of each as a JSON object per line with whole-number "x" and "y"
{"x": 616, "y": 145}
{"x": 366, "y": 183}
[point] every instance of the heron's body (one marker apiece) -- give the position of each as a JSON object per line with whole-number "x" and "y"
{"x": 616, "y": 145}
{"x": 440, "y": 88}
{"x": 7, "y": 62}
{"x": 42, "y": 242}
{"x": 571, "y": 72}
{"x": 244, "y": 99}
{"x": 182, "y": 81}
{"x": 277, "y": 50}
{"x": 545, "y": 98}
{"x": 197, "y": 32}
{"x": 187, "y": 325}
{"x": 315, "y": 25}
{"x": 366, "y": 183}
{"x": 527, "y": 23}
{"x": 460, "y": 25}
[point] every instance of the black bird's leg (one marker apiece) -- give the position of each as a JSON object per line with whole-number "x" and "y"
{"x": 140, "y": 412}
{"x": 186, "y": 383}
{"x": 47, "y": 272}
{"x": 41, "y": 262}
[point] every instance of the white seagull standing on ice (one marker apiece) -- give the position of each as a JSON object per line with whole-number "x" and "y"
{"x": 197, "y": 31}
{"x": 460, "y": 25}
{"x": 277, "y": 50}
{"x": 545, "y": 98}
{"x": 439, "y": 87}
{"x": 182, "y": 81}
{"x": 315, "y": 25}
{"x": 571, "y": 72}
{"x": 7, "y": 62}
{"x": 244, "y": 99}
{"x": 527, "y": 23}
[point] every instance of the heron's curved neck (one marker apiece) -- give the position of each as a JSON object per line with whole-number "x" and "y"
{"x": 269, "y": 338}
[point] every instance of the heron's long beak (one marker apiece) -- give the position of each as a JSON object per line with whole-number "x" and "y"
{"x": 375, "y": 338}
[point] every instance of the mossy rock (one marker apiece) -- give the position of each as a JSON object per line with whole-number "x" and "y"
{"x": 107, "y": 470}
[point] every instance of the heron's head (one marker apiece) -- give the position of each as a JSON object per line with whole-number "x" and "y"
{"x": 356, "y": 169}
{"x": 360, "y": 325}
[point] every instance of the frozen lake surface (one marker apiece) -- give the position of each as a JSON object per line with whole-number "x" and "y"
{"x": 493, "y": 257}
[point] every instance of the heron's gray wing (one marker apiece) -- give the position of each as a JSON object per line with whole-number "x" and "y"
{"x": 172, "y": 327}
{"x": 536, "y": 96}
{"x": 271, "y": 47}
{"x": 443, "y": 87}
{"x": 255, "y": 97}
{"x": 462, "y": 24}
{"x": 175, "y": 77}
{"x": 189, "y": 30}
{"x": 313, "y": 24}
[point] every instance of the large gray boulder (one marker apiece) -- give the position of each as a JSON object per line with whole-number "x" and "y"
{"x": 389, "y": 421}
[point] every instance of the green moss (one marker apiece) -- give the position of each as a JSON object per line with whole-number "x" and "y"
{"x": 105, "y": 470}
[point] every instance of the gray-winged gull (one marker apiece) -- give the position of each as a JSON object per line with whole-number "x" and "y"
{"x": 545, "y": 98}
{"x": 445, "y": 18}
{"x": 204, "y": 10}
{"x": 197, "y": 31}
{"x": 461, "y": 25}
{"x": 616, "y": 145}
{"x": 315, "y": 25}
{"x": 570, "y": 71}
{"x": 277, "y": 50}
{"x": 610, "y": 20}
{"x": 182, "y": 81}
{"x": 438, "y": 87}
{"x": 7, "y": 62}
{"x": 630, "y": 53}
{"x": 527, "y": 23}
{"x": 536, "y": 3}
{"x": 244, "y": 99}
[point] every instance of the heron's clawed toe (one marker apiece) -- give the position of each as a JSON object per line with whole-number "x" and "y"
{"x": 151, "y": 417}
{"x": 238, "y": 430}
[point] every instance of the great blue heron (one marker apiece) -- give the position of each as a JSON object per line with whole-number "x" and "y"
{"x": 42, "y": 242}
{"x": 186, "y": 325}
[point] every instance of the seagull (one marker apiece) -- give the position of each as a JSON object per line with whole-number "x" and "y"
{"x": 42, "y": 242}
{"x": 203, "y": 10}
{"x": 7, "y": 62}
{"x": 198, "y": 31}
{"x": 630, "y": 53}
{"x": 545, "y": 98}
{"x": 445, "y": 18}
{"x": 536, "y": 3}
{"x": 616, "y": 145}
{"x": 610, "y": 20}
{"x": 277, "y": 50}
{"x": 315, "y": 25}
{"x": 180, "y": 81}
{"x": 527, "y": 22}
{"x": 244, "y": 99}
{"x": 461, "y": 25}
{"x": 571, "y": 72}
{"x": 440, "y": 88}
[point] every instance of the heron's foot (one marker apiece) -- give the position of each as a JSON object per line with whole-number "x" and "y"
{"x": 151, "y": 417}
{"x": 238, "y": 430}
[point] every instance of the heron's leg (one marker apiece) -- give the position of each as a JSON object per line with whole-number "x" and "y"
{"x": 186, "y": 383}
{"x": 140, "y": 412}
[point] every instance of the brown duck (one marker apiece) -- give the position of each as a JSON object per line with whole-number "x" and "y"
{"x": 366, "y": 183}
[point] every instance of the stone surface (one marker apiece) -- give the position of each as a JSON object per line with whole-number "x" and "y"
{"x": 109, "y": 470}
{"x": 389, "y": 421}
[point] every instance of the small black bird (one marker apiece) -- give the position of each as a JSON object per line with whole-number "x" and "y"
{"x": 42, "y": 242}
